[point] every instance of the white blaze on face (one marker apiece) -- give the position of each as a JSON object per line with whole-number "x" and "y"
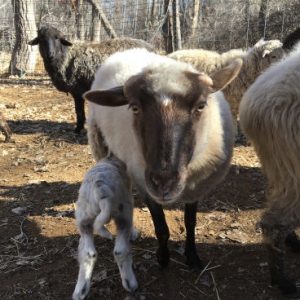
{"x": 165, "y": 101}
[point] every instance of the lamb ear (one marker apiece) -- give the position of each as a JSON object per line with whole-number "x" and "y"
{"x": 34, "y": 42}
{"x": 111, "y": 97}
{"x": 223, "y": 77}
{"x": 65, "y": 42}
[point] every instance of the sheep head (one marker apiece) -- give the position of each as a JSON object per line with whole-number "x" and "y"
{"x": 169, "y": 104}
{"x": 267, "y": 52}
{"x": 51, "y": 41}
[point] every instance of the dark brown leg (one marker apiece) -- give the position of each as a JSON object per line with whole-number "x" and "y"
{"x": 293, "y": 242}
{"x": 192, "y": 257}
{"x": 161, "y": 231}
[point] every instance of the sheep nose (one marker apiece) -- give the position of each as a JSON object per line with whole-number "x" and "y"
{"x": 163, "y": 182}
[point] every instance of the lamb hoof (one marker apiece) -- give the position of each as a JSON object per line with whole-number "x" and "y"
{"x": 293, "y": 242}
{"x": 163, "y": 257}
{"x": 193, "y": 261}
{"x": 286, "y": 286}
{"x": 134, "y": 235}
{"x": 130, "y": 286}
{"x": 80, "y": 295}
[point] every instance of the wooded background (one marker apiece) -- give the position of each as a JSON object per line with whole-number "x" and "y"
{"x": 167, "y": 24}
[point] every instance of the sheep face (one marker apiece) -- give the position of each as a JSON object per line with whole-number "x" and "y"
{"x": 52, "y": 43}
{"x": 268, "y": 51}
{"x": 168, "y": 107}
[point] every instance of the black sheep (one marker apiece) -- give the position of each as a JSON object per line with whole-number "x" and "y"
{"x": 72, "y": 66}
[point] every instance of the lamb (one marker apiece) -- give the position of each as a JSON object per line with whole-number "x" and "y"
{"x": 5, "y": 128}
{"x": 105, "y": 194}
{"x": 171, "y": 127}
{"x": 269, "y": 116}
{"x": 255, "y": 61}
{"x": 291, "y": 40}
{"x": 72, "y": 66}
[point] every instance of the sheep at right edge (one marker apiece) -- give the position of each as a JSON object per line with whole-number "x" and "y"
{"x": 270, "y": 118}
{"x": 104, "y": 194}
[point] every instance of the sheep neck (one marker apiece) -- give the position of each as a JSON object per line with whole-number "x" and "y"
{"x": 55, "y": 66}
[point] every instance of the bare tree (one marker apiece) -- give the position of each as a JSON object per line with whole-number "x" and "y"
{"x": 171, "y": 27}
{"x": 176, "y": 25}
{"x": 194, "y": 25}
{"x": 23, "y": 56}
{"x": 96, "y": 26}
{"x": 104, "y": 21}
{"x": 262, "y": 17}
{"x": 80, "y": 20}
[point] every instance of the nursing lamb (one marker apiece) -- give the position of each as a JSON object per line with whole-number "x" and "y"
{"x": 105, "y": 194}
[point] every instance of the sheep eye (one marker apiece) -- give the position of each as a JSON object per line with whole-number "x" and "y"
{"x": 200, "y": 107}
{"x": 135, "y": 109}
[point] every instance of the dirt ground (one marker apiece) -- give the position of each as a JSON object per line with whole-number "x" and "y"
{"x": 40, "y": 174}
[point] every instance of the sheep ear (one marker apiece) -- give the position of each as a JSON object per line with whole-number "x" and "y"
{"x": 111, "y": 97}
{"x": 223, "y": 77}
{"x": 34, "y": 42}
{"x": 65, "y": 42}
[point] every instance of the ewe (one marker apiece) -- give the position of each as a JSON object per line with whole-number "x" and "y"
{"x": 170, "y": 126}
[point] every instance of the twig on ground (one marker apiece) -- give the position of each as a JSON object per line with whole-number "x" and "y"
{"x": 202, "y": 272}
{"x": 215, "y": 285}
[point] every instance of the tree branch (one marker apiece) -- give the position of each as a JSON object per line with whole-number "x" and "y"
{"x": 108, "y": 28}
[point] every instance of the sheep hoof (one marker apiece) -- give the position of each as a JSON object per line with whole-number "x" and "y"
{"x": 163, "y": 257}
{"x": 293, "y": 242}
{"x": 193, "y": 261}
{"x": 78, "y": 129}
{"x": 286, "y": 286}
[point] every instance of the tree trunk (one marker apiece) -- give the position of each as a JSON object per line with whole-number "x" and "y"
{"x": 23, "y": 56}
{"x": 177, "y": 27}
{"x": 96, "y": 26}
{"x": 104, "y": 21}
{"x": 166, "y": 28}
{"x": 247, "y": 21}
{"x": 80, "y": 20}
{"x": 195, "y": 17}
{"x": 153, "y": 11}
{"x": 262, "y": 18}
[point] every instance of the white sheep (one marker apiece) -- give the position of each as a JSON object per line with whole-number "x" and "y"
{"x": 161, "y": 118}
{"x": 105, "y": 194}
{"x": 255, "y": 61}
{"x": 270, "y": 118}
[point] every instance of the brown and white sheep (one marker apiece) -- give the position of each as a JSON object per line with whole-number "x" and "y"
{"x": 170, "y": 126}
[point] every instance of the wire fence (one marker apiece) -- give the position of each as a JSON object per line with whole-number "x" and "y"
{"x": 212, "y": 24}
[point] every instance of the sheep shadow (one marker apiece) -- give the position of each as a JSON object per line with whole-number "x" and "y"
{"x": 241, "y": 191}
{"x": 46, "y": 268}
{"x": 39, "y": 197}
{"x": 54, "y": 130}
